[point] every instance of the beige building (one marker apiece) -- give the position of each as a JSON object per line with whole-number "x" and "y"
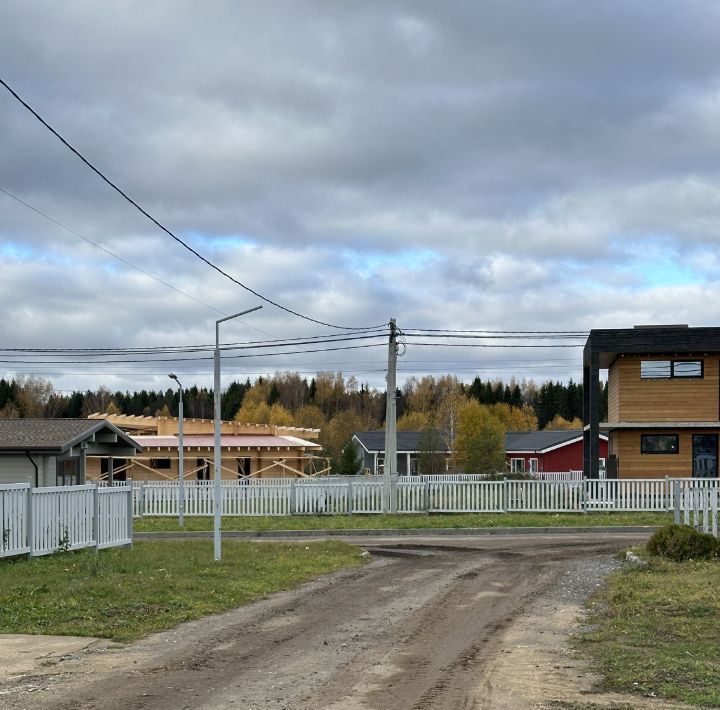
{"x": 663, "y": 401}
{"x": 248, "y": 450}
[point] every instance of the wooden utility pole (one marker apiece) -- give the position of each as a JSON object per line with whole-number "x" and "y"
{"x": 390, "y": 466}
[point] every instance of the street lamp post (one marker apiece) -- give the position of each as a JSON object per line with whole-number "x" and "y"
{"x": 217, "y": 420}
{"x": 181, "y": 456}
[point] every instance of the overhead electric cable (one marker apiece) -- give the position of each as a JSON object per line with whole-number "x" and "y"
{"x": 502, "y": 332}
{"x": 160, "y": 350}
{"x": 192, "y": 359}
{"x": 159, "y": 224}
{"x": 107, "y": 251}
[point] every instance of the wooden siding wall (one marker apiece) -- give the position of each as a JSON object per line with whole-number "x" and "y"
{"x": 614, "y": 377}
{"x": 633, "y": 464}
{"x": 631, "y": 399}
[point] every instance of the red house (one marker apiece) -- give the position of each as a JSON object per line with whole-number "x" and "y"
{"x": 548, "y": 451}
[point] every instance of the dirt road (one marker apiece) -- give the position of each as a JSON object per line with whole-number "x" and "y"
{"x": 428, "y": 624}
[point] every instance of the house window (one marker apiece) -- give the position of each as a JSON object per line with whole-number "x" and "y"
{"x": 659, "y": 443}
{"x": 68, "y": 472}
{"x": 517, "y": 465}
{"x": 160, "y": 463}
{"x": 380, "y": 464}
{"x": 687, "y": 368}
{"x": 533, "y": 465}
{"x": 666, "y": 369}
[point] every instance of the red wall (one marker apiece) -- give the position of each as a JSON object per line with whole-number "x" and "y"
{"x": 564, "y": 458}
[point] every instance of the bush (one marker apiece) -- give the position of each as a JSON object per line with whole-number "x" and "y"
{"x": 681, "y": 542}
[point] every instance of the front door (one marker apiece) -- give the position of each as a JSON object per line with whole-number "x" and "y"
{"x": 705, "y": 456}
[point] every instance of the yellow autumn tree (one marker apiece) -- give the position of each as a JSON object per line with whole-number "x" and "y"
{"x": 414, "y": 421}
{"x": 480, "y": 440}
{"x": 559, "y": 422}
{"x": 514, "y": 418}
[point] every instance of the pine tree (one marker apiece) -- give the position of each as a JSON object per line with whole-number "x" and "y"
{"x": 349, "y": 462}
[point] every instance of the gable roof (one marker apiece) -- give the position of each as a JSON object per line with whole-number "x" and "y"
{"x": 55, "y": 435}
{"x": 407, "y": 441}
{"x": 541, "y": 441}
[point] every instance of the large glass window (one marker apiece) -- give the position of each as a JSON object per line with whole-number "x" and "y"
{"x": 517, "y": 465}
{"x": 655, "y": 369}
{"x": 665, "y": 369}
{"x": 687, "y": 368}
{"x": 659, "y": 443}
{"x": 705, "y": 456}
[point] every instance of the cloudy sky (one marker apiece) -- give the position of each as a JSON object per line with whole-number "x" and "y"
{"x": 493, "y": 165}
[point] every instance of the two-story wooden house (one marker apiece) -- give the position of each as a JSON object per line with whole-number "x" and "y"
{"x": 663, "y": 401}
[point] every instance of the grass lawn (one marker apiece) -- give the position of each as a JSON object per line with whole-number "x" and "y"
{"x": 657, "y": 631}
{"x": 404, "y": 521}
{"x": 123, "y": 594}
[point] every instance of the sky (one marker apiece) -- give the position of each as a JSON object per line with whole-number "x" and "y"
{"x": 495, "y": 165}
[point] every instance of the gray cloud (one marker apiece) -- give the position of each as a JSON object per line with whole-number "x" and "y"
{"x": 469, "y": 165}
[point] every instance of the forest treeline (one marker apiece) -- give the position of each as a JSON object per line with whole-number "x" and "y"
{"x": 335, "y": 404}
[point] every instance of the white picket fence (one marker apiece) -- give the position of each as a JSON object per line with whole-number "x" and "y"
{"x": 40, "y": 521}
{"x": 699, "y": 507}
{"x": 412, "y": 494}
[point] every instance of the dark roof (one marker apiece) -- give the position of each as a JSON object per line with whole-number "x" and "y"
{"x": 537, "y": 441}
{"x": 54, "y": 435}
{"x": 407, "y": 441}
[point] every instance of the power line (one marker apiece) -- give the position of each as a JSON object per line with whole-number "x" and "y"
{"x": 159, "y": 224}
{"x": 107, "y": 251}
{"x": 191, "y": 359}
{"x": 495, "y": 345}
{"x": 503, "y": 332}
{"x": 163, "y": 350}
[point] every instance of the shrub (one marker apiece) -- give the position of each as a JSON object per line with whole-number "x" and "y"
{"x": 681, "y": 542}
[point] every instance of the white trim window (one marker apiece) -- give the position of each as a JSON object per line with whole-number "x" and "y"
{"x": 517, "y": 465}
{"x": 534, "y": 467}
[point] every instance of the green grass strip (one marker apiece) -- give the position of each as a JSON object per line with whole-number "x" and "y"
{"x": 124, "y": 594}
{"x": 405, "y": 521}
{"x": 656, "y": 632}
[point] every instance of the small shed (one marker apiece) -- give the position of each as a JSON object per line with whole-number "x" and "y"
{"x": 53, "y": 452}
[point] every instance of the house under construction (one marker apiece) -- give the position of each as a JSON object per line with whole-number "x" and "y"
{"x": 248, "y": 450}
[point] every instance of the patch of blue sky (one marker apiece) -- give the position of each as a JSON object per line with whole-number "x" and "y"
{"x": 655, "y": 261}
{"x": 668, "y": 272}
{"x": 18, "y": 252}
{"x": 220, "y": 240}
{"x": 368, "y": 263}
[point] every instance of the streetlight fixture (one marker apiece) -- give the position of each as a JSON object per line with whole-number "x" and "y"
{"x": 217, "y": 448}
{"x": 181, "y": 456}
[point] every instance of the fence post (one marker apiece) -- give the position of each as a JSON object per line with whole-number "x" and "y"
{"x": 676, "y": 493}
{"x": 349, "y": 506}
{"x": 426, "y": 492}
{"x": 130, "y": 513}
{"x": 506, "y": 495}
{"x": 393, "y": 494}
{"x": 96, "y": 517}
{"x": 142, "y": 499}
{"x": 585, "y": 495}
{"x": 30, "y": 525}
{"x": 293, "y": 498}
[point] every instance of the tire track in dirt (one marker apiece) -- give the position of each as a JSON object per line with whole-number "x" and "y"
{"x": 415, "y": 629}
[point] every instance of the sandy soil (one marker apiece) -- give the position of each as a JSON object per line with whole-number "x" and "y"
{"x": 432, "y": 623}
